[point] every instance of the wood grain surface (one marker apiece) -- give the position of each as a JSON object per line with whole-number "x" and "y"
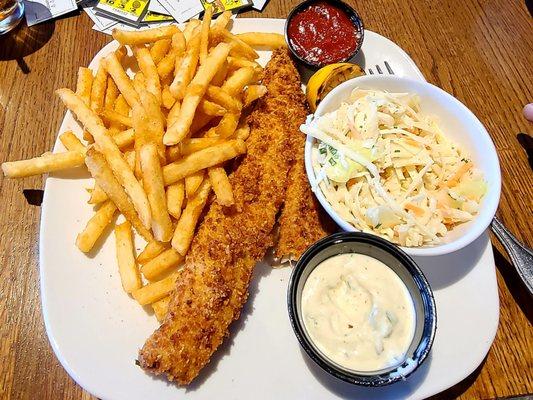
{"x": 481, "y": 51}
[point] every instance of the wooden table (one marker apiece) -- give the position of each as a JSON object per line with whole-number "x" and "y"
{"x": 478, "y": 50}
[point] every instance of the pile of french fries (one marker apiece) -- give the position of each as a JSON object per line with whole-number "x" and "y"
{"x": 156, "y": 137}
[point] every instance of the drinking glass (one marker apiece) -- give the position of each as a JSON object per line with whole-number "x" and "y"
{"x": 11, "y": 12}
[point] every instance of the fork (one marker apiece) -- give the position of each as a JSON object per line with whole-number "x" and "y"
{"x": 521, "y": 256}
{"x": 380, "y": 71}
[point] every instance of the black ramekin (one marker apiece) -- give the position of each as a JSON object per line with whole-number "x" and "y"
{"x": 411, "y": 275}
{"x": 352, "y": 14}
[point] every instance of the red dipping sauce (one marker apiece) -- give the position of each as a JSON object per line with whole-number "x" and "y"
{"x": 322, "y": 34}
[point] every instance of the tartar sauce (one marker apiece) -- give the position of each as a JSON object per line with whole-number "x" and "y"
{"x": 358, "y": 312}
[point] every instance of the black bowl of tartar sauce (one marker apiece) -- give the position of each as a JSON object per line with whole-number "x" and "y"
{"x": 362, "y": 309}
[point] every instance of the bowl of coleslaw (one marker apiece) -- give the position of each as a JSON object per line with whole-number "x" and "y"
{"x": 403, "y": 160}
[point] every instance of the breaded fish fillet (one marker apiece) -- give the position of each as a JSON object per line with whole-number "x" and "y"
{"x": 213, "y": 287}
{"x": 302, "y": 221}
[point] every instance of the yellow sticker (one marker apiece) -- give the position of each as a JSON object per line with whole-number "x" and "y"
{"x": 225, "y": 5}
{"x": 156, "y": 17}
{"x": 129, "y": 10}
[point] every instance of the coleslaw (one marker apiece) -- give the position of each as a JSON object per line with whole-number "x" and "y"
{"x": 388, "y": 170}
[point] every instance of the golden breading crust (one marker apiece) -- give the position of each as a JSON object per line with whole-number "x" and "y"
{"x": 303, "y": 221}
{"x": 213, "y": 287}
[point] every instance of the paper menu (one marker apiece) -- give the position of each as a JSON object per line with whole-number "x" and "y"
{"x": 182, "y": 10}
{"x": 129, "y": 11}
{"x": 156, "y": 7}
{"x": 225, "y": 5}
{"x": 42, "y": 10}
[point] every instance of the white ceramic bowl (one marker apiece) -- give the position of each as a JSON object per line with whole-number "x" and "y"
{"x": 457, "y": 122}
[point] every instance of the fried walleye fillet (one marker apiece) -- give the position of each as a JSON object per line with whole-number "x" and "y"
{"x": 213, "y": 287}
{"x": 302, "y": 221}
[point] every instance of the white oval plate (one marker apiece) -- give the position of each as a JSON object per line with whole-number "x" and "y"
{"x": 96, "y": 330}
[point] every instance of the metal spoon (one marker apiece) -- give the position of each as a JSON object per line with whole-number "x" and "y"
{"x": 521, "y": 256}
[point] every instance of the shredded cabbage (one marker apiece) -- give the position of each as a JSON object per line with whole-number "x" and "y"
{"x": 388, "y": 169}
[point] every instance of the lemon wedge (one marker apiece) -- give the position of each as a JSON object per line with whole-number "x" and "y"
{"x": 325, "y": 79}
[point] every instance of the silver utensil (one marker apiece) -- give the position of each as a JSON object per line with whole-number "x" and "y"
{"x": 521, "y": 256}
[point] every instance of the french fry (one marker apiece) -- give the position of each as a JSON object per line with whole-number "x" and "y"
{"x": 127, "y": 268}
{"x": 71, "y": 142}
{"x": 238, "y": 48}
{"x": 139, "y": 83}
{"x": 221, "y": 186}
{"x": 167, "y": 64}
{"x": 226, "y": 127}
{"x": 95, "y": 227}
{"x": 112, "y": 116}
{"x": 239, "y": 62}
{"x": 190, "y": 29}
{"x": 221, "y": 74}
{"x": 224, "y": 99}
{"x": 143, "y": 37}
{"x": 175, "y": 198}
{"x": 149, "y": 69}
{"x": 122, "y": 80}
{"x": 122, "y": 106}
{"x": 164, "y": 262}
{"x": 155, "y": 189}
{"x": 111, "y": 152}
{"x": 252, "y": 93}
{"x": 189, "y": 218}
{"x": 87, "y": 137}
{"x": 212, "y": 109}
{"x": 160, "y": 49}
{"x": 149, "y": 124}
{"x": 160, "y": 308}
{"x": 178, "y": 131}
{"x": 174, "y": 113}
{"x": 236, "y": 83}
{"x": 167, "y": 100}
{"x": 121, "y": 52}
{"x": 265, "y": 40}
{"x": 111, "y": 94}
{"x": 155, "y": 291}
{"x": 222, "y": 21}
{"x": 202, "y": 159}
{"x": 124, "y": 139}
{"x": 98, "y": 89}
{"x": 185, "y": 72}
{"x": 190, "y": 146}
{"x": 97, "y": 195}
{"x": 104, "y": 177}
{"x": 242, "y": 132}
{"x": 152, "y": 249}
{"x": 193, "y": 182}
{"x": 48, "y": 162}
{"x": 179, "y": 43}
{"x": 84, "y": 84}
{"x": 199, "y": 121}
{"x": 204, "y": 33}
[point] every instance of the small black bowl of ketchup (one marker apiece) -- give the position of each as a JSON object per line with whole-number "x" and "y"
{"x": 322, "y": 32}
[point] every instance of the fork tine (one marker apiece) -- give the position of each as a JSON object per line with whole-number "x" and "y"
{"x": 389, "y": 68}
{"x": 379, "y": 69}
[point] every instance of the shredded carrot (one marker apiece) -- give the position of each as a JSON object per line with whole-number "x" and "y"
{"x": 350, "y": 183}
{"x": 414, "y": 208}
{"x": 454, "y": 180}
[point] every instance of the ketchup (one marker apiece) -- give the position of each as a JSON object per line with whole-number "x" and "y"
{"x": 322, "y": 34}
